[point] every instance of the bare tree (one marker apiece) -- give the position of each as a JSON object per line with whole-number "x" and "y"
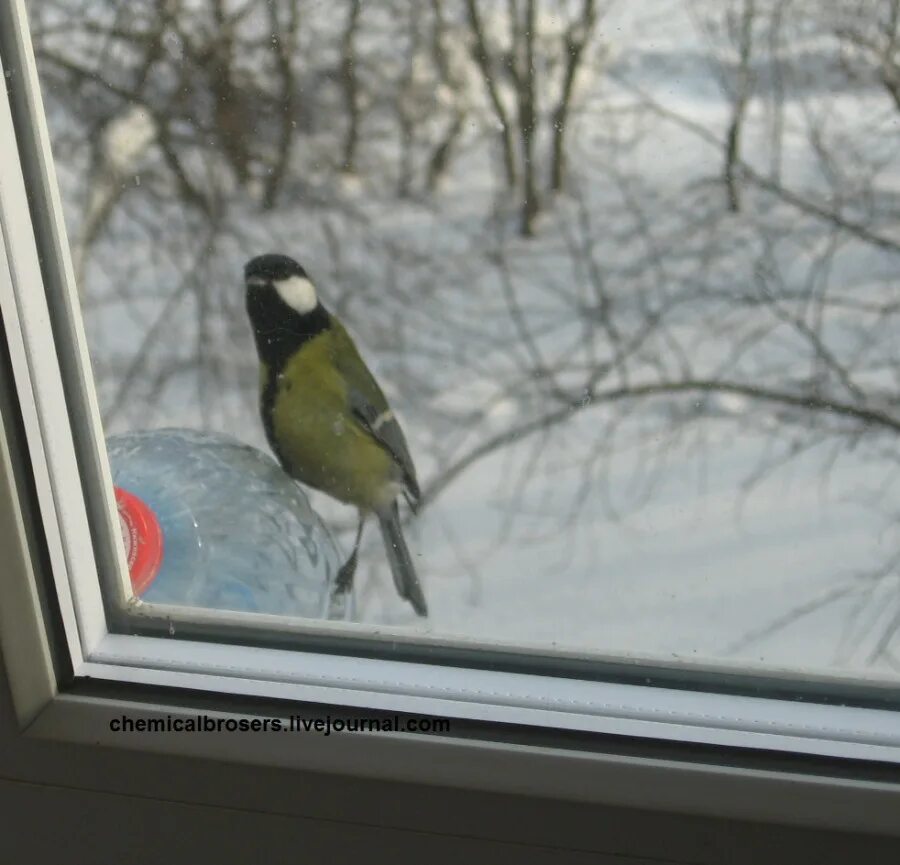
{"x": 734, "y": 26}
{"x": 350, "y": 85}
{"x": 744, "y": 85}
{"x": 522, "y": 68}
{"x": 869, "y": 35}
{"x": 285, "y": 24}
{"x": 522, "y": 63}
{"x": 486, "y": 63}
{"x": 441, "y": 154}
{"x": 637, "y": 327}
{"x": 576, "y": 39}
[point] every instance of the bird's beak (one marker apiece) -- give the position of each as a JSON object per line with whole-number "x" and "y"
{"x": 256, "y": 281}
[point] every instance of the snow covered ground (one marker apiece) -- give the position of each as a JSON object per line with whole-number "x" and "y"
{"x": 659, "y": 547}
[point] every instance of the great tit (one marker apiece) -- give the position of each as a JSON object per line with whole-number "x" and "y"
{"x": 325, "y": 417}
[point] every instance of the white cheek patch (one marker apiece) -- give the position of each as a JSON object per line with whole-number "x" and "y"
{"x": 297, "y": 292}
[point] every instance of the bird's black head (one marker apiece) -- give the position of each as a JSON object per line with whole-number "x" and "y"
{"x": 277, "y": 279}
{"x": 272, "y": 268}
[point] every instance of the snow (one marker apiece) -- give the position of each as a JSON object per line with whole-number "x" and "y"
{"x": 652, "y": 533}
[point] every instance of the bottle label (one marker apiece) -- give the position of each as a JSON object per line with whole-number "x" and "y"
{"x": 142, "y": 537}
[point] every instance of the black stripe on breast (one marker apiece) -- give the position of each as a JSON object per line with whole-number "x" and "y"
{"x": 279, "y": 332}
{"x": 267, "y": 411}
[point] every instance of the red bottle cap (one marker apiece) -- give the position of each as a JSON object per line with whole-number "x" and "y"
{"x": 143, "y": 539}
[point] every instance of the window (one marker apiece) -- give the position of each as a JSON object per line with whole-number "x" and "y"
{"x": 631, "y": 293}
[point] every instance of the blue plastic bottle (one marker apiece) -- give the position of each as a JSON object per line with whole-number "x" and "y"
{"x": 210, "y": 522}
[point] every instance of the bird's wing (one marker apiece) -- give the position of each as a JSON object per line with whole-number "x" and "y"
{"x": 383, "y": 427}
{"x": 370, "y": 406}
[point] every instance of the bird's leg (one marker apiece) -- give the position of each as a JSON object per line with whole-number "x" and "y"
{"x": 343, "y": 583}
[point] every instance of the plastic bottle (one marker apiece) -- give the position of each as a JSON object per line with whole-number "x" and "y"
{"x": 210, "y": 522}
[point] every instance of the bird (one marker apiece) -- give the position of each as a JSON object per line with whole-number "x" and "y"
{"x": 325, "y": 416}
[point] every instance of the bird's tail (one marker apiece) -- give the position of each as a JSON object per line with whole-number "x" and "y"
{"x": 402, "y": 568}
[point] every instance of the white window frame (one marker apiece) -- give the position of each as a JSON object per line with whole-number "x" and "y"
{"x": 79, "y": 543}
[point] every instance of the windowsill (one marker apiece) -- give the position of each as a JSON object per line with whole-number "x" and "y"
{"x": 627, "y": 773}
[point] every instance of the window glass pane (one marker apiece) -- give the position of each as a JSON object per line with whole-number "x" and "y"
{"x": 627, "y": 273}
